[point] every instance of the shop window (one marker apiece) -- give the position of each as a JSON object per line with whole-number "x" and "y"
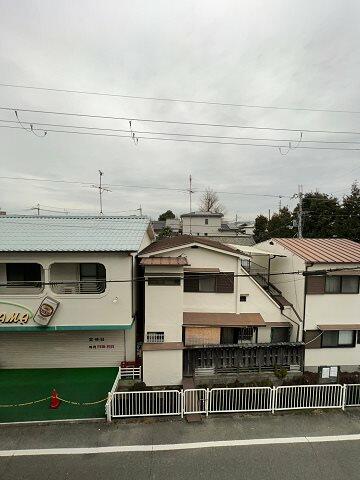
{"x": 163, "y": 281}
{"x": 338, "y": 338}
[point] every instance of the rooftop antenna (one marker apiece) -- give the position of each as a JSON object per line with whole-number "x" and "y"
{"x": 140, "y": 210}
{"x": 39, "y": 209}
{"x": 190, "y": 193}
{"x": 101, "y": 191}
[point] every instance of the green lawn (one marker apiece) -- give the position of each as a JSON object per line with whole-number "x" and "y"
{"x": 76, "y": 384}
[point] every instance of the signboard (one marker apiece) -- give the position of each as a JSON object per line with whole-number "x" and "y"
{"x": 19, "y": 314}
{"x": 46, "y": 311}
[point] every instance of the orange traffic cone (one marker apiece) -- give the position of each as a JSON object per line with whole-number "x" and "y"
{"x": 54, "y": 400}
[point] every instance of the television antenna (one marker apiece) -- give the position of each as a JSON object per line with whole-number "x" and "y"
{"x": 101, "y": 190}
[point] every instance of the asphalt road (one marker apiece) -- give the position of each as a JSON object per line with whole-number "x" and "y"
{"x": 291, "y": 461}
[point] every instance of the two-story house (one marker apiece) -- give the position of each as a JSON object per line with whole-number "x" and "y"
{"x": 206, "y": 315}
{"x": 326, "y": 296}
{"x": 68, "y": 290}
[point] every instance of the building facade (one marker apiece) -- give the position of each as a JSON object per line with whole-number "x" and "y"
{"x": 67, "y": 296}
{"x": 327, "y": 298}
{"x": 206, "y": 316}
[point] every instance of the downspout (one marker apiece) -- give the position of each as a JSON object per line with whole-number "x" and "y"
{"x": 306, "y": 269}
{"x": 269, "y": 266}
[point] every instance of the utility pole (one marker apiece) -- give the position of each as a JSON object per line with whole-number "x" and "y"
{"x": 101, "y": 190}
{"x": 190, "y": 193}
{"x": 300, "y": 216}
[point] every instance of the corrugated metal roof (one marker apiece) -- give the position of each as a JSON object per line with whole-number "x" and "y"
{"x": 323, "y": 250}
{"x": 71, "y": 233}
{"x": 164, "y": 261}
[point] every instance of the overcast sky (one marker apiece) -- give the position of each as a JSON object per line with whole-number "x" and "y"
{"x": 278, "y": 53}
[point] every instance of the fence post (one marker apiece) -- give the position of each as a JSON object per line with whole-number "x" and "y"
{"x": 273, "y": 399}
{"x": 108, "y": 407}
{"x": 344, "y": 391}
{"x": 182, "y": 403}
{"x": 207, "y": 397}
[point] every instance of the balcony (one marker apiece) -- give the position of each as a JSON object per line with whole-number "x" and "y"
{"x": 77, "y": 278}
{"x": 245, "y": 358}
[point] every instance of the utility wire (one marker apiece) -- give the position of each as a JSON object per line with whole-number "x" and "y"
{"x": 192, "y": 141}
{"x": 182, "y": 134}
{"x": 179, "y": 100}
{"x": 175, "y": 122}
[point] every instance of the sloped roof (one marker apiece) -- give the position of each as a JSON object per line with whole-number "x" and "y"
{"x": 323, "y": 250}
{"x": 199, "y": 319}
{"x": 183, "y": 240}
{"x": 71, "y": 233}
{"x": 202, "y": 214}
{"x": 247, "y": 240}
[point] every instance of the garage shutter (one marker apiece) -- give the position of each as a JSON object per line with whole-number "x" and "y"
{"x": 61, "y": 349}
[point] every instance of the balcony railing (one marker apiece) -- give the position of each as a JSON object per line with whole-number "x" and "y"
{"x": 83, "y": 287}
{"x": 235, "y": 359}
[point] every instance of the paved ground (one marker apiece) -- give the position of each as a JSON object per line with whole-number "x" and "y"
{"x": 305, "y": 461}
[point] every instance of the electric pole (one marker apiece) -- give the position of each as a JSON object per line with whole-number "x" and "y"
{"x": 300, "y": 215}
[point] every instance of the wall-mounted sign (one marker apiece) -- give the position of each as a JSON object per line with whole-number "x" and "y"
{"x": 46, "y": 311}
{"x": 20, "y": 314}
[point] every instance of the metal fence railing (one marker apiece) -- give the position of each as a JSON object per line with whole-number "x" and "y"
{"x": 146, "y": 403}
{"x": 248, "y": 399}
{"x": 352, "y": 397}
{"x": 230, "y": 400}
{"x": 309, "y": 396}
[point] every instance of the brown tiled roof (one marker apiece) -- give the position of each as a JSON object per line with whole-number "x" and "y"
{"x": 199, "y": 319}
{"x": 323, "y": 250}
{"x": 149, "y": 347}
{"x": 202, "y": 270}
{"x": 164, "y": 261}
{"x": 183, "y": 240}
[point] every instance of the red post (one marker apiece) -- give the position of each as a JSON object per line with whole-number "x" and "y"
{"x": 54, "y": 400}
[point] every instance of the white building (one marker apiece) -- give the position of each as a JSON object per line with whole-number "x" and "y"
{"x": 67, "y": 298}
{"x": 327, "y": 298}
{"x": 206, "y": 315}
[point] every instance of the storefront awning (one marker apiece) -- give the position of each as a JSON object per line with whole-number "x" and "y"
{"x": 199, "y": 319}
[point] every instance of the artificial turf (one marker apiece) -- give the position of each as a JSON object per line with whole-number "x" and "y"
{"x": 76, "y": 384}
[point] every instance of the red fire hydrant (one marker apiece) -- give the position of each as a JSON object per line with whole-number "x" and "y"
{"x": 54, "y": 400}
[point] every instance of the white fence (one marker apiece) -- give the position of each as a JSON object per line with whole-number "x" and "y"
{"x": 130, "y": 372}
{"x": 230, "y": 400}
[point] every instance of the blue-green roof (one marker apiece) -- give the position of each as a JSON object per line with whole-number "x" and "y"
{"x": 71, "y": 233}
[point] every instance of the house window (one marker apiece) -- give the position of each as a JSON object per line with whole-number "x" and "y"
{"x": 338, "y": 338}
{"x": 280, "y": 334}
{"x": 205, "y": 233}
{"x": 163, "y": 281}
{"x": 342, "y": 284}
{"x": 216, "y": 283}
{"x": 23, "y": 275}
{"x": 93, "y": 275}
{"x": 243, "y": 298}
{"x": 232, "y": 336}
{"x": 155, "y": 337}
{"x": 206, "y": 221}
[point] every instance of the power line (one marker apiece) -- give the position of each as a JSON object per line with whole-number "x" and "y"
{"x": 179, "y": 100}
{"x": 172, "y": 122}
{"x": 182, "y": 190}
{"x": 192, "y": 141}
{"x": 181, "y": 134}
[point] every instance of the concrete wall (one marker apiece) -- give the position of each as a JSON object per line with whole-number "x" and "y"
{"x": 163, "y": 367}
{"x": 113, "y": 307}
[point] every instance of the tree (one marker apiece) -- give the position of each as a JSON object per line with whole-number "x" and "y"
{"x": 165, "y": 215}
{"x": 348, "y": 223}
{"x": 281, "y": 224}
{"x": 260, "y": 230}
{"x": 165, "y": 232}
{"x": 209, "y": 202}
{"x": 320, "y": 217}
